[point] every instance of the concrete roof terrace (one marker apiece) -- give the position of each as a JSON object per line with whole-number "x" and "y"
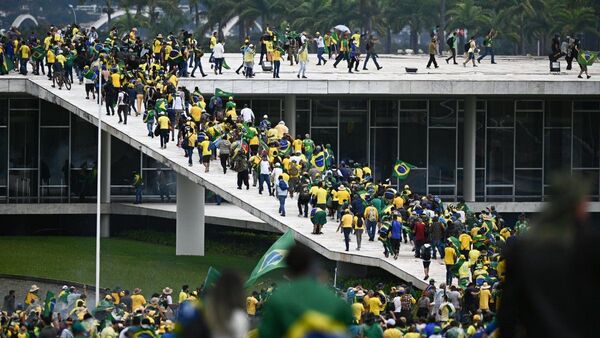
{"x": 512, "y": 75}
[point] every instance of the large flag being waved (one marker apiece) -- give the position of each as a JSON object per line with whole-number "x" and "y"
{"x": 273, "y": 258}
{"x": 38, "y": 53}
{"x": 49, "y": 304}
{"x": 220, "y": 92}
{"x": 211, "y": 278}
{"x": 402, "y": 169}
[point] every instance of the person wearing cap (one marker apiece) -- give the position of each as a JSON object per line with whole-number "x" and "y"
{"x": 320, "y": 48}
{"x": 484, "y": 297}
{"x": 264, "y": 124}
{"x": 249, "y": 53}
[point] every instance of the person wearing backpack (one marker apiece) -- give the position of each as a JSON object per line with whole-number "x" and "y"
{"x": 371, "y": 216}
{"x": 189, "y": 143}
{"x": 294, "y": 173}
{"x": 470, "y": 51}
{"x": 303, "y": 198}
{"x": 396, "y": 235}
{"x": 224, "y": 148}
{"x": 282, "y": 191}
{"x": 359, "y": 228}
{"x": 426, "y": 258}
{"x": 452, "y": 43}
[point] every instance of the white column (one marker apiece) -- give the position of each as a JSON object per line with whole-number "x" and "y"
{"x": 289, "y": 113}
{"x": 469, "y": 148}
{"x": 105, "y": 184}
{"x": 190, "y": 218}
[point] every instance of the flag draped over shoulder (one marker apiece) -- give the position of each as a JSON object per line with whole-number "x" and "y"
{"x": 221, "y": 93}
{"x": 455, "y": 243}
{"x": 8, "y": 64}
{"x": 402, "y": 169}
{"x": 273, "y": 258}
{"x": 587, "y": 58}
{"x": 38, "y": 53}
{"x": 49, "y": 303}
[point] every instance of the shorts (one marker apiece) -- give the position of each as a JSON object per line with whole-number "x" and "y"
{"x": 206, "y": 158}
{"x": 426, "y": 264}
{"x": 471, "y": 56}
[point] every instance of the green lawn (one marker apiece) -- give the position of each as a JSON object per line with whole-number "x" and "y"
{"x": 124, "y": 263}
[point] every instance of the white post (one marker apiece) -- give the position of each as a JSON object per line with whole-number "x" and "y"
{"x": 98, "y": 187}
{"x": 335, "y": 272}
{"x": 189, "y": 231}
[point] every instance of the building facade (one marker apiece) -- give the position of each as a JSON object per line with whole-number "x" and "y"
{"x": 48, "y": 155}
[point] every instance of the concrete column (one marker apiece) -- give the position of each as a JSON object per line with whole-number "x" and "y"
{"x": 190, "y": 218}
{"x": 470, "y": 128}
{"x": 105, "y": 183}
{"x": 289, "y": 113}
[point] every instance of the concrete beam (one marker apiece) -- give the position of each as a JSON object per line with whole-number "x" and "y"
{"x": 190, "y": 218}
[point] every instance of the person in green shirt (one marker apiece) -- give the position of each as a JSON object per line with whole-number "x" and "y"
{"x": 309, "y": 147}
{"x": 138, "y": 184}
{"x": 488, "y": 44}
{"x": 453, "y": 44}
{"x": 318, "y": 217}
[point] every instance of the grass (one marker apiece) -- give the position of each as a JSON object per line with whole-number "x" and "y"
{"x": 125, "y": 263}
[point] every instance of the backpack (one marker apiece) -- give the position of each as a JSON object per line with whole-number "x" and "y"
{"x": 426, "y": 252}
{"x": 372, "y": 215}
{"x": 293, "y": 170}
{"x": 467, "y": 46}
{"x": 450, "y": 42}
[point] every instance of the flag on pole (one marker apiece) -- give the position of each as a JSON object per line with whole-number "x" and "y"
{"x": 211, "y": 278}
{"x": 402, "y": 169}
{"x": 273, "y": 258}
{"x": 221, "y": 93}
{"x": 49, "y": 304}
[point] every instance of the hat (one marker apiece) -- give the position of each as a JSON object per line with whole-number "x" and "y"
{"x": 137, "y": 291}
{"x": 159, "y": 36}
{"x": 390, "y": 322}
{"x": 167, "y": 290}
{"x": 108, "y": 297}
{"x": 64, "y": 287}
{"x": 33, "y": 288}
{"x": 265, "y": 116}
{"x": 341, "y": 187}
{"x": 485, "y": 285}
{"x": 360, "y": 293}
{"x": 476, "y": 318}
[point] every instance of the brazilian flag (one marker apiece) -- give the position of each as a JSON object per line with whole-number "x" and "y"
{"x": 49, "y": 304}
{"x": 90, "y": 75}
{"x": 455, "y": 243}
{"x": 273, "y": 258}
{"x": 211, "y": 278}
{"x": 160, "y": 106}
{"x": 8, "y": 65}
{"x": 285, "y": 147}
{"x": 225, "y": 65}
{"x": 587, "y": 58}
{"x": 221, "y": 93}
{"x": 38, "y": 53}
{"x": 402, "y": 169}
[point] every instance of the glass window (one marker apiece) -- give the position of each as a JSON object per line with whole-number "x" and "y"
{"x": 529, "y": 139}
{"x": 500, "y": 156}
{"x": 3, "y": 112}
{"x": 528, "y": 182}
{"x": 54, "y": 156}
{"x": 558, "y": 113}
{"x": 3, "y": 155}
{"x": 25, "y": 103}
{"x": 83, "y": 143}
{"x": 557, "y": 151}
{"x": 326, "y": 136}
{"x": 592, "y": 181}
{"x": 149, "y": 162}
{"x": 479, "y": 183}
{"x": 302, "y": 122}
{"x": 303, "y": 104}
{"x": 353, "y": 104}
{"x": 417, "y": 180}
{"x": 442, "y": 156}
{"x": 22, "y": 186}
{"x": 586, "y": 128}
{"x": 54, "y": 194}
{"x": 413, "y": 138}
{"x": 384, "y": 113}
{"x": 480, "y": 140}
{"x": 270, "y": 107}
{"x": 23, "y": 139}
{"x": 445, "y": 193}
{"x": 460, "y": 140}
{"x": 53, "y": 115}
{"x": 83, "y": 184}
{"x": 530, "y": 105}
{"x": 353, "y": 136}
{"x": 479, "y": 105}
{"x": 500, "y": 113}
{"x": 384, "y": 150}
{"x": 586, "y": 105}
{"x": 124, "y": 161}
{"x": 324, "y": 113}
{"x": 442, "y": 113}
{"x": 413, "y": 105}
{"x": 152, "y": 179}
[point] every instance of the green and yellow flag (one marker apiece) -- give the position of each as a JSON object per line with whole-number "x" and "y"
{"x": 273, "y": 258}
{"x": 211, "y": 278}
{"x": 402, "y": 169}
{"x": 587, "y": 58}
{"x": 49, "y": 304}
{"x": 221, "y": 93}
{"x": 38, "y": 53}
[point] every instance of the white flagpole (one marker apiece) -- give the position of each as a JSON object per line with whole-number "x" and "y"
{"x": 98, "y": 187}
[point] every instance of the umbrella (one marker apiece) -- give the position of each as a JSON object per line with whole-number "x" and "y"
{"x": 342, "y": 28}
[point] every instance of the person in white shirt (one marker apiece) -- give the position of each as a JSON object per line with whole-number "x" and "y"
{"x": 277, "y": 171}
{"x": 264, "y": 176}
{"x": 247, "y": 115}
{"x": 320, "y": 49}
{"x": 218, "y": 56}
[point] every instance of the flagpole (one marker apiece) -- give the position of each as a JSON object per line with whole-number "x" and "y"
{"x": 335, "y": 273}
{"x": 98, "y": 187}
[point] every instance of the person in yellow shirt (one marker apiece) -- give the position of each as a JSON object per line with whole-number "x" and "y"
{"x": 251, "y": 304}
{"x": 189, "y": 141}
{"x": 137, "y": 299}
{"x": 297, "y": 144}
{"x": 346, "y": 226}
{"x": 398, "y": 201}
{"x": 375, "y": 305}
{"x": 357, "y": 311}
{"x": 343, "y": 196}
{"x": 465, "y": 243}
{"x": 32, "y": 295}
{"x": 484, "y": 297}
{"x": 115, "y": 78}
{"x": 303, "y": 58}
{"x": 359, "y": 228}
{"x": 184, "y": 294}
{"x": 371, "y": 218}
{"x": 23, "y": 53}
{"x": 276, "y": 56}
{"x": 164, "y": 125}
{"x": 50, "y": 59}
{"x": 321, "y": 197}
{"x": 206, "y": 153}
{"x": 450, "y": 257}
